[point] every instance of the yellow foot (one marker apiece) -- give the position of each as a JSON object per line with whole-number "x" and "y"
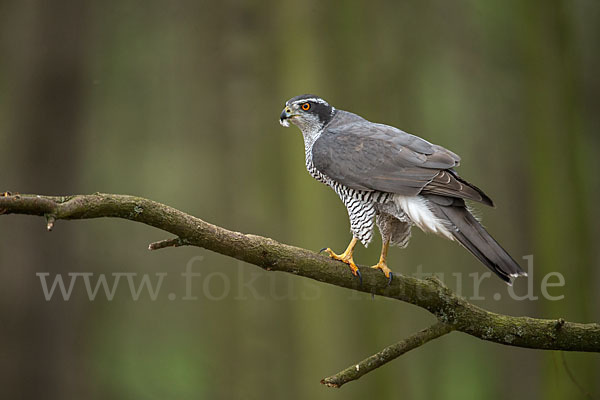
{"x": 345, "y": 257}
{"x": 382, "y": 265}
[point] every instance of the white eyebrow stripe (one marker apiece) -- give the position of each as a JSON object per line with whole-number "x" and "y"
{"x": 313, "y": 99}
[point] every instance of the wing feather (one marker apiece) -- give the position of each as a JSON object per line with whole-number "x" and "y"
{"x": 368, "y": 156}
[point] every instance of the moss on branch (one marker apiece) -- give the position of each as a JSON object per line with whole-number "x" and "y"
{"x": 452, "y": 311}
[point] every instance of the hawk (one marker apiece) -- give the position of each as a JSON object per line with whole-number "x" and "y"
{"x": 391, "y": 178}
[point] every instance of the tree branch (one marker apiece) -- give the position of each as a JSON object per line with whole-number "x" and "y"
{"x": 388, "y": 354}
{"x": 450, "y": 310}
{"x": 175, "y": 242}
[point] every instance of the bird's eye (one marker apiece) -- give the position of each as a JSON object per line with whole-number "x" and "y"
{"x": 306, "y": 106}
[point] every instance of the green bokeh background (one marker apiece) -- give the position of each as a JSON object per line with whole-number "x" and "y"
{"x": 179, "y": 102}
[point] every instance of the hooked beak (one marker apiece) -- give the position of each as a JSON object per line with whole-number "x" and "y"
{"x": 285, "y": 115}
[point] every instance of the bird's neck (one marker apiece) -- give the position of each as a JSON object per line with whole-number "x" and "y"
{"x": 310, "y": 136}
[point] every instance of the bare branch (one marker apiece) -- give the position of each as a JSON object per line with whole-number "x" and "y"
{"x": 388, "y": 354}
{"x": 450, "y": 310}
{"x": 50, "y": 219}
{"x": 175, "y": 242}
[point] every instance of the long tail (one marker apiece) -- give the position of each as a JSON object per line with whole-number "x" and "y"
{"x": 473, "y": 236}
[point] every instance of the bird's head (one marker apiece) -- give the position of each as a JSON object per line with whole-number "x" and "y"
{"x": 307, "y": 111}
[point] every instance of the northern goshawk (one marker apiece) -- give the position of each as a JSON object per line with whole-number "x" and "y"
{"x": 397, "y": 179}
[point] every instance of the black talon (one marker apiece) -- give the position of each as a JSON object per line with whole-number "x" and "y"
{"x": 359, "y": 277}
{"x": 322, "y": 250}
{"x": 391, "y": 276}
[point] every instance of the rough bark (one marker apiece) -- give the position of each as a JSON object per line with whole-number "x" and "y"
{"x": 453, "y": 312}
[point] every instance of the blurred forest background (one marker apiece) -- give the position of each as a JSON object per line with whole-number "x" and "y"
{"x": 179, "y": 102}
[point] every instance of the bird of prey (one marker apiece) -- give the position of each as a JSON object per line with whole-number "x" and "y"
{"x": 395, "y": 179}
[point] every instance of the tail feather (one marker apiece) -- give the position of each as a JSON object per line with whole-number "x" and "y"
{"x": 473, "y": 236}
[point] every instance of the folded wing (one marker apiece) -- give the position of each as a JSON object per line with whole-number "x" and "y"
{"x": 367, "y": 156}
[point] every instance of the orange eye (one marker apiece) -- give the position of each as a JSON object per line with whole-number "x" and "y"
{"x": 306, "y": 106}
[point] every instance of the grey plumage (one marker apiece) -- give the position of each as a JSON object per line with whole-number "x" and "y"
{"x": 473, "y": 236}
{"x": 392, "y": 229}
{"x": 368, "y": 156}
{"x": 403, "y": 180}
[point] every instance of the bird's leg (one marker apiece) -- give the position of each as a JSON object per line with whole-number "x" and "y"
{"x": 382, "y": 264}
{"x": 346, "y": 256}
